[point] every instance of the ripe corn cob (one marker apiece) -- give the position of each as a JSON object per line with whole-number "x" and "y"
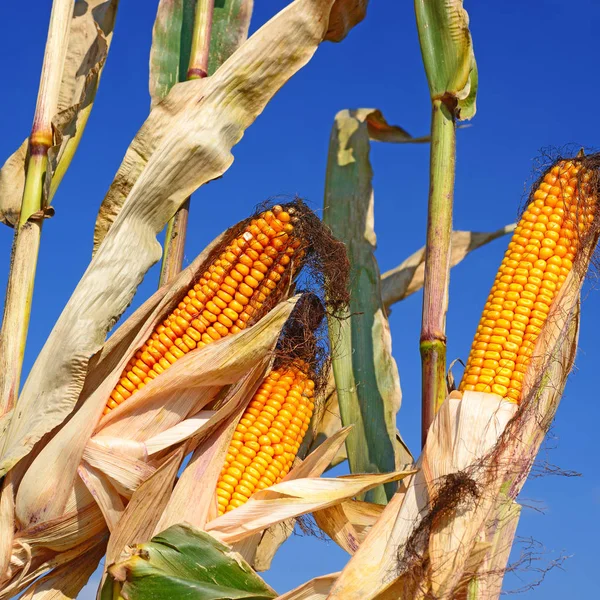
{"x": 268, "y": 435}
{"x": 223, "y": 301}
{"x": 536, "y": 264}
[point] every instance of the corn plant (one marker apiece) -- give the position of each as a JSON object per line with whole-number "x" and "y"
{"x": 175, "y": 449}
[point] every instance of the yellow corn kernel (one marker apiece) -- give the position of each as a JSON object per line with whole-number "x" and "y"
{"x": 284, "y": 414}
{"x": 538, "y": 259}
{"x": 220, "y": 303}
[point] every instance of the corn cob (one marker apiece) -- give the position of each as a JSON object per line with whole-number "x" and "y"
{"x": 268, "y": 436}
{"x": 535, "y": 266}
{"x": 232, "y": 290}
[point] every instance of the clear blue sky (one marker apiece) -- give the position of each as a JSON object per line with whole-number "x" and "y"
{"x": 538, "y": 88}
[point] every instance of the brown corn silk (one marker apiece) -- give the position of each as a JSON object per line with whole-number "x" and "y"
{"x": 233, "y": 289}
{"x": 553, "y": 228}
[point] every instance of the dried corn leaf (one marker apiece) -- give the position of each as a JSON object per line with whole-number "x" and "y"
{"x": 407, "y": 278}
{"x": 291, "y": 499}
{"x": 89, "y": 40}
{"x": 366, "y": 375}
{"x": 105, "y": 495}
{"x": 315, "y": 589}
{"x": 178, "y": 163}
{"x": 160, "y": 404}
{"x": 66, "y": 582}
{"x": 144, "y": 509}
{"x": 237, "y": 93}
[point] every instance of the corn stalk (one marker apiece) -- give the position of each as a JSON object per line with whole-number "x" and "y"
{"x": 19, "y": 292}
{"x": 451, "y": 71}
{"x": 175, "y": 233}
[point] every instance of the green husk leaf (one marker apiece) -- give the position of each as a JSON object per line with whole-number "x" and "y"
{"x": 366, "y": 376}
{"x": 187, "y": 563}
{"x": 447, "y": 50}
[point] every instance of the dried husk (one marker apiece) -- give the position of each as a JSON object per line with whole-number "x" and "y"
{"x": 193, "y": 148}
{"x": 315, "y": 589}
{"x": 424, "y": 544}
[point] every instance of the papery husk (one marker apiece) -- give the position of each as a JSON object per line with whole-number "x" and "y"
{"x": 423, "y": 544}
{"x": 194, "y": 499}
{"x": 218, "y": 364}
{"x": 66, "y": 582}
{"x": 144, "y": 509}
{"x": 200, "y": 122}
{"x": 348, "y": 523}
{"x": 124, "y": 472}
{"x": 104, "y": 494}
{"x": 291, "y": 499}
{"x": 20, "y": 578}
{"x": 315, "y": 589}
{"x": 374, "y": 566}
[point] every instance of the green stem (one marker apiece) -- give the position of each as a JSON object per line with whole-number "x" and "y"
{"x": 198, "y": 66}
{"x": 437, "y": 261}
{"x": 197, "y": 69}
{"x": 26, "y": 244}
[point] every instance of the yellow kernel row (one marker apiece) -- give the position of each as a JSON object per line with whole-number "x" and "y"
{"x": 540, "y": 255}
{"x": 229, "y": 293}
{"x": 268, "y": 436}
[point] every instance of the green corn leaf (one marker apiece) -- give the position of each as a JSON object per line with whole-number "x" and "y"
{"x": 447, "y": 50}
{"x": 171, "y": 45}
{"x": 366, "y": 375}
{"x": 185, "y": 563}
{"x": 172, "y": 39}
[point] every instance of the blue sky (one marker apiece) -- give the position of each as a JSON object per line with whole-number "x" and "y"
{"x": 538, "y": 90}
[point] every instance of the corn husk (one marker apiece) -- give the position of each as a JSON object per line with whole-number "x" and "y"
{"x": 161, "y": 405}
{"x": 315, "y": 589}
{"x": 484, "y": 440}
{"x": 168, "y": 160}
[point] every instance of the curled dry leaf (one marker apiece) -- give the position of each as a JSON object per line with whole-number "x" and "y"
{"x": 315, "y": 589}
{"x": 407, "y": 278}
